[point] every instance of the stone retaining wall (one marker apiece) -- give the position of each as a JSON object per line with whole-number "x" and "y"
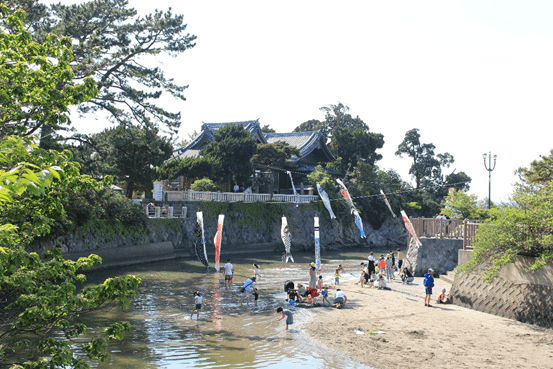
{"x": 237, "y": 238}
{"x": 515, "y": 294}
{"x": 440, "y": 254}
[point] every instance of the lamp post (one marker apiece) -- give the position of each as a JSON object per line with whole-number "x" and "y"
{"x": 489, "y": 168}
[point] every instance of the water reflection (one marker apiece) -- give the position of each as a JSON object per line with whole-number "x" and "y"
{"x": 230, "y": 333}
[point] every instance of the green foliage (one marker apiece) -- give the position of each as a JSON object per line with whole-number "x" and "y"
{"x": 233, "y": 148}
{"x": 310, "y": 125}
{"x": 339, "y": 207}
{"x": 275, "y": 154}
{"x": 173, "y": 224}
{"x": 36, "y": 79}
{"x": 130, "y": 154}
{"x": 355, "y": 145}
{"x": 204, "y": 184}
{"x": 267, "y": 129}
{"x": 121, "y": 50}
{"x": 427, "y": 170}
{"x": 38, "y": 294}
{"x": 101, "y": 212}
{"x": 190, "y": 168}
{"x": 459, "y": 204}
{"x": 523, "y": 228}
{"x": 251, "y": 214}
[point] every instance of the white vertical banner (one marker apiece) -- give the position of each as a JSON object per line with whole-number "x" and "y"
{"x": 317, "y": 245}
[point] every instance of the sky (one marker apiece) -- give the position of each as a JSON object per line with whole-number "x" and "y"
{"x": 473, "y": 76}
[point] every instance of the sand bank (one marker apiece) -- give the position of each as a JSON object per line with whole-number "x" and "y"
{"x": 415, "y": 336}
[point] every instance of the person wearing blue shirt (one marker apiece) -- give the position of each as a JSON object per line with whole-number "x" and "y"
{"x": 428, "y": 284}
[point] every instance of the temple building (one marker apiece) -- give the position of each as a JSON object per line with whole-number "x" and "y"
{"x": 311, "y": 145}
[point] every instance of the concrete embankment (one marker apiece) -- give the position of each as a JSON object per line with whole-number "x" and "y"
{"x": 516, "y": 293}
{"x": 245, "y": 231}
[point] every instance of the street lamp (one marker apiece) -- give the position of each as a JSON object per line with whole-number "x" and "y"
{"x": 489, "y": 168}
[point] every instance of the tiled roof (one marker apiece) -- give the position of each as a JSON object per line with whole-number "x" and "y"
{"x": 306, "y": 142}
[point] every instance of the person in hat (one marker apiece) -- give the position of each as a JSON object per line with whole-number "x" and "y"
{"x": 428, "y": 284}
{"x": 312, "y": 276}
{"x": 443, "y": 298}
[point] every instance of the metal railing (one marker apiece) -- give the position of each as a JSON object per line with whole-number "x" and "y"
{"x": 190, "y": 195}
{"x": 447, "y": 228}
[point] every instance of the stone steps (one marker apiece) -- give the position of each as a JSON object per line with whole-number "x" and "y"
{"x": 449, "y": 277}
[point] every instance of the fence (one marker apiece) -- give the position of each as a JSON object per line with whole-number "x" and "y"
{"x": 166, "y": 212}
{"x": 448, "y": 228}
{"x": 190, "y": 195}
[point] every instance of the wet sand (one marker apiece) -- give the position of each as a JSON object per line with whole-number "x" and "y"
{"x": 415, "y": 336}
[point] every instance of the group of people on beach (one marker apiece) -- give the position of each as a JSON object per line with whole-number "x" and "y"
{"x": 375, "y": 274}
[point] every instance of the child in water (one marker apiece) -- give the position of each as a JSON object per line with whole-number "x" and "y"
{"x": 198, "y": 304}
{"x": 283, "y": 265}
{"x": 337, "y": 277}
{"x": 286, "y": 314}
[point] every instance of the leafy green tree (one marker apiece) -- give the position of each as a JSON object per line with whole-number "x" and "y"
{"x": 459, "y": 204}
{"x": 233, "y": 148}
{"x": 310, "y": 125}
{"x": 132, "y": 155}
{"x": 121, "y": 51}
{"x": 274, "y": 154}
{"x": 425, "y": 164}
{"x": 190, "y": 168}
{"x": 354, "y": 145}
{"x": 35, "y": 79}
{"x": 327, "y": 181}
{"x": 427, "y": 170}
{"x": 38, "y": 293}
{"x": 524, "y": 227}
{"x": 267, "y": 129}
{"x": 204, "y": 184}
{"x": 350, "y": 138}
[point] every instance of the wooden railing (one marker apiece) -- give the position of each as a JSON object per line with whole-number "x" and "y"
{"x": 234, "y": 197}
{"x": 448, "y": 228}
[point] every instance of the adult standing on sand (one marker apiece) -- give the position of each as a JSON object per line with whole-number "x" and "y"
{"x": 312, "y": 276}
{"x": 372, "y": 259}
{"x": 400, "y": 257}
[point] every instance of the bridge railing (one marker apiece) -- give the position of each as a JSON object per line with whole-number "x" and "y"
{"x": 447, "y": 228}
{"x": 190, "y": 195}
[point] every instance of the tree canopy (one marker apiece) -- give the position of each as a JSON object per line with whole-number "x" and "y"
{"x": 38, "y": 294}
{"x": 524, "y": 227}
{"x": 233, "y": 148}
{"x": 121, "y": 50}
{"x": 36, "y": 79}
{"x": 131, "y": 154}
{"x": 275, "y": 154}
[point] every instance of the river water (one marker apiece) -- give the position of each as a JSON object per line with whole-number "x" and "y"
{"x": 229, "y": 333}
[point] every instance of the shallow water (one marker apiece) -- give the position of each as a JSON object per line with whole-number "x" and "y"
{"x": 230, "y": 333}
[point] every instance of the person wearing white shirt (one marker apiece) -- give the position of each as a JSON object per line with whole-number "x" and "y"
{"x": 229, "y": 273}
{"x": 340, "y": 298}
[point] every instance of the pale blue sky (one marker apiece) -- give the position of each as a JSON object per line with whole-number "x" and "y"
{"x": 473, "y": 76}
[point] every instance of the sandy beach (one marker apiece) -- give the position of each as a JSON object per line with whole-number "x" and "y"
{"x": 406, "y": 334}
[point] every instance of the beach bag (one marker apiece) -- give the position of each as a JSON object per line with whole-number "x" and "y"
{"x": 242, "y": 290}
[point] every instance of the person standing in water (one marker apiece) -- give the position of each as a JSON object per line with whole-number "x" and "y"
{"x": 198, "y": 304}
{"x": 283, "y": 265}
{"x": 229, "y": 273}
{"x": 286, "y": 314}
